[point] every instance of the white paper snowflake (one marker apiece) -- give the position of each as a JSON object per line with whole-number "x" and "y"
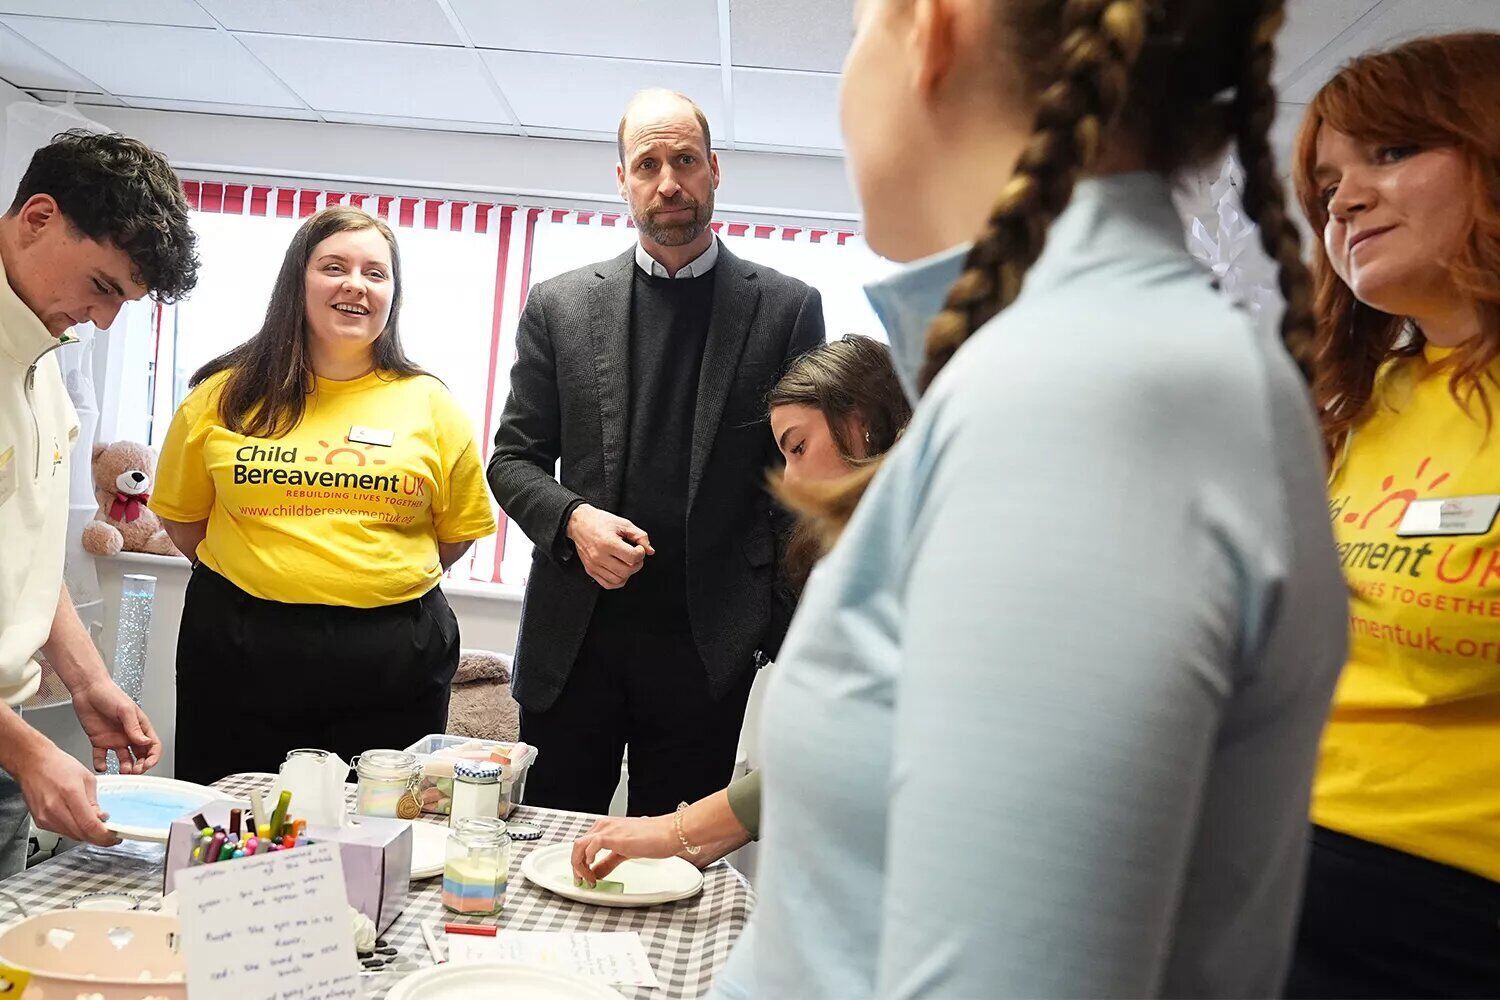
{"x": 1223, "y": 238}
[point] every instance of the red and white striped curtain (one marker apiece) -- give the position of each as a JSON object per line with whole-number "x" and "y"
{"x": 610, "y": 220}
{"x": 299, "y": 203}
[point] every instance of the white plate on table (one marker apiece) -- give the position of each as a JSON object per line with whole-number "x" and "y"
{"x": 143, "y": 806}
{"x": 648, "y": 882}
{"x": 488, "y": 980}
{"x": 429, "y": 849}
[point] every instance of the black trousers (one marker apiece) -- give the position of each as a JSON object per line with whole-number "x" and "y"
{"x": 1378, "y": 922}
{"x": 256, "y": 678}
{"x": 647, "y": 689}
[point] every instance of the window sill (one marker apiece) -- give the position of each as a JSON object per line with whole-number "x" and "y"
{"x": 506, "y": 592}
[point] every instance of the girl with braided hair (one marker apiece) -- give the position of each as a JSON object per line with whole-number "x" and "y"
{"x": 1398, "y": 169}
{"x": 1046, "y": 720}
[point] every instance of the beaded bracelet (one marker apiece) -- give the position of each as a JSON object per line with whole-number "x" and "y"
{"x": 692, "y": 849}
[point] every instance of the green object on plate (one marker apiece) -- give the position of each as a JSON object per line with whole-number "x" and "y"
{"x": 603, "y": 885}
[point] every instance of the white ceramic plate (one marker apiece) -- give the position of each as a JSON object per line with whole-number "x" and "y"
{"x": 647, "y": 882}
{"x": 142, "y": 806}
{"x": 488, "y": 980}
{"x": 429, "y": 846}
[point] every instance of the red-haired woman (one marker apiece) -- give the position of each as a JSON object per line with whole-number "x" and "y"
{"x": 1398, "y": 165}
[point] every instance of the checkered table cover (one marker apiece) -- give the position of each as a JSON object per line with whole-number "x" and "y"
{"x": 687, "y": 941}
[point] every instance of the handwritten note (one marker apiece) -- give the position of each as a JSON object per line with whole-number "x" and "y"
{"x": 614, "y": 957}
{"x": 273, "y": 927}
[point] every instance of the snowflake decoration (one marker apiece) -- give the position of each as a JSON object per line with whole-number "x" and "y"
{"x": 1224, "y": 239}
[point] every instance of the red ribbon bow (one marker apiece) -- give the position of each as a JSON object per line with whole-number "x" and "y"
{"x": 127, "y": 506}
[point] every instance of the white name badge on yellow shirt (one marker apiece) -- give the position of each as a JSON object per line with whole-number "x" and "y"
{"x": 7, "y": 474}
{"x": 372, "y": 436}
{"x": 1450, "y": 516}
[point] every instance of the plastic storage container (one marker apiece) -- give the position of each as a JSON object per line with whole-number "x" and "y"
{"x": 438, "y": 753}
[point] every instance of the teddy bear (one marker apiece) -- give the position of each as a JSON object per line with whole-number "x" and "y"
{"x": 122, "y": 485}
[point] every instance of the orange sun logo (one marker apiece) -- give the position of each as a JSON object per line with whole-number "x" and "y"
{"x": 1403, "y": 497}
{"x": 359, "y": 456}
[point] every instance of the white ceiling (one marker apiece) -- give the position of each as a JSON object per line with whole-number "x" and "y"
{"x": 765, "y": 71}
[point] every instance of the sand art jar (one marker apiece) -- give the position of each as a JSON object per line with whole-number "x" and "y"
{"x": 477, "y": 866}
{"x": 387, "y": 784}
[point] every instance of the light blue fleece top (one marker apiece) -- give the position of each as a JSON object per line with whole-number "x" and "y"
{"x": 1046, "y": 719}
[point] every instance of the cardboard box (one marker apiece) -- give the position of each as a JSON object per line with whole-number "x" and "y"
{"x": 376, "y": 856}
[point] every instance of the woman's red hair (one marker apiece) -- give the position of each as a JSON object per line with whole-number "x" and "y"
{"x": 1431, "y": 92}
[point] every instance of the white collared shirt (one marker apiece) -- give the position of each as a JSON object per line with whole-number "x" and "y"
{"x": 699, "y": 266}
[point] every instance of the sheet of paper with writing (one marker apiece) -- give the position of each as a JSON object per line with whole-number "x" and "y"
{"x": 275, "y": 926}
{"x": 616, "y": 957}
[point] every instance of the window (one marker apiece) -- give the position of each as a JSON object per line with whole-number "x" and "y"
{"x": 466, "y": 268}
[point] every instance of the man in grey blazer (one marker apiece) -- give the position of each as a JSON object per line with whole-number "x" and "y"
{"x": 653, "y": 592}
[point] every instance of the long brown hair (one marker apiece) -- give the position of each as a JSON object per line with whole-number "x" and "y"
{"x": 1432, "y": 92}
{"x": 1150, "y": 75}
{"x": 271, "y": 375}
{"x": 853, "y": 384}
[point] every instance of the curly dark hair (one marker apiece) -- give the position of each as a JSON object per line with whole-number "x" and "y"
{"x": 119, "y": 190}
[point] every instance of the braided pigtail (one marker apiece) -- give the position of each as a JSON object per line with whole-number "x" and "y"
{"x": 1100, "y": 42}
{"x": 1263, "y": 196}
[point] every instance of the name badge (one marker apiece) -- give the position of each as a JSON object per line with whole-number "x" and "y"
{"x": 7, "y": 474}
{"x": 372, "y": 436}
{"x": 1450, "y": 516}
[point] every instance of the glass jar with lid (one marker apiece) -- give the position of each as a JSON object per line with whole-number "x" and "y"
{"x": 388, "y": 784}
{"x": 476, "y": 790}
{"x": 477, "y": 866}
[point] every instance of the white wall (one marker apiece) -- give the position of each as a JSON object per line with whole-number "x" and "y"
{"x": 557, "y": 171}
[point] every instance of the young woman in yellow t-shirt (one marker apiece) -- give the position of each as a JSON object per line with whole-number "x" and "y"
{"x": 1398, "y": 165}
{"x": 322, "y": 482}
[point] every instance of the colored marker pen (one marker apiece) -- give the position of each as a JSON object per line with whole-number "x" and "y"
{"x": 234, "y": 822}
{"x": 257, "y": 810}
{"x": 278, "y": 815}
{"x": 215, "y": 846}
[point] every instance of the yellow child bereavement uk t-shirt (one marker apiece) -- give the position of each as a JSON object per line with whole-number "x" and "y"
{"x": 1411, "y": 753}
{"x": 347, "y": 509}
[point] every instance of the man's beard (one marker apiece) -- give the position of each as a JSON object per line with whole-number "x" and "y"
{"x": 676, "y": 234}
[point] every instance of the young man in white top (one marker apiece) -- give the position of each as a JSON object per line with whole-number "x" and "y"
{"x": 97, "y": 220}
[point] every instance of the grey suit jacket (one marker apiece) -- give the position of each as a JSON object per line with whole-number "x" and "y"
{"x": 569, "y": 401}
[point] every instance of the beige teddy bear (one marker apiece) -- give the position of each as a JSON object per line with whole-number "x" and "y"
{"x": 122, "y": 485}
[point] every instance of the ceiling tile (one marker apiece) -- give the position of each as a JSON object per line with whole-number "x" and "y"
{"x": 190, "y": 64}
{"x": 786, "y": 108}
{"x": 577, "y": 92}
{"x": 1312, "y": 24}
{"x": 25, "y": 65}
{"x": 180, "y": 12}
{"x": 436, "y": 124}
{"x": 82, "y": 100}
{"x": 217, "y": 108}
{"x": 418, "y": 21}
{"x": 1394, "y": 23}
{"x": 381, "y": 78}
{"x": 681, "y": 31}
{"x": 792, "y": 34}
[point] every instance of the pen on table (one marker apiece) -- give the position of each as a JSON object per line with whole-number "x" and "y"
{"x": 432, "y": 943}
{"x": 477, "y": 930}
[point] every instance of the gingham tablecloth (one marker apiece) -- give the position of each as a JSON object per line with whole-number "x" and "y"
{"x": 686, "y": 941}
